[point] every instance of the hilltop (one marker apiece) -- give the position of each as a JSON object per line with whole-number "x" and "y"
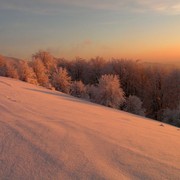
{"x": 45, "y": 134}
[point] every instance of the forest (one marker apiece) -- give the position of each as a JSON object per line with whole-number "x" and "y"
{"x": 145, "y": 89}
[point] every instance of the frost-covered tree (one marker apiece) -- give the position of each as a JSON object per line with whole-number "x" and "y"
{"x": 41, "y": 73}
{"x": 134, "y": 105}
{"x": 109, "y": 91}
{"x": 78, "y": 89}
{"x": 61, "y": 80}
{"x": 26, "y": 73}
{"x": 47, "y": 60}
{"x": 11, "y": 70}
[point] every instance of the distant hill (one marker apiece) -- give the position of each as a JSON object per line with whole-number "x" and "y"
{"x": 12, "y": 59}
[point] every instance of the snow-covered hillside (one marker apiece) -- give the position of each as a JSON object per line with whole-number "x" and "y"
{"x": 46, "y": 134}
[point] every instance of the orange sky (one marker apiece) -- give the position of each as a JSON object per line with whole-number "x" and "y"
{"x": 146, "y": 30}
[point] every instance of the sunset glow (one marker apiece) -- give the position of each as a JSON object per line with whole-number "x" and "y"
{"x": 147, "y": 30}
{"x": 89, "y": 89}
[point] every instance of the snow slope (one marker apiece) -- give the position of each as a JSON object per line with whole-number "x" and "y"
{"x": 49, "y": 135}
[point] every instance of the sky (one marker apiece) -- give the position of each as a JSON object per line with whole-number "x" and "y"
{"x": 132, "y": 29}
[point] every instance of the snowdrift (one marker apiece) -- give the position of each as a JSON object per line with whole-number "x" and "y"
{"x": 46, "y": 134}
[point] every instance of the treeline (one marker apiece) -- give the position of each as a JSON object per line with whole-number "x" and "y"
{"x": 133, "y": 86}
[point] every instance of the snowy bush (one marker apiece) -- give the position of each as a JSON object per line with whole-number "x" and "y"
{"x": 109, "y": 91}
{"x": 11, "y": 70}
{"x": 41, "y": 73}
{"x": 78, "y": 89}
{"x": 61, "y": 80}
{"x": 48, "y": 61}
{"x": 26, "y": 73}
{"x": 172, "y": 116}
{"x": 134, "y": 105}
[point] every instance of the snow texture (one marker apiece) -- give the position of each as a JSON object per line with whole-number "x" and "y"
{"x": 46, "y": 134}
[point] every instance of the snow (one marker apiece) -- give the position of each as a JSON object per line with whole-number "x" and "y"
{"x": 46, "y": 134}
